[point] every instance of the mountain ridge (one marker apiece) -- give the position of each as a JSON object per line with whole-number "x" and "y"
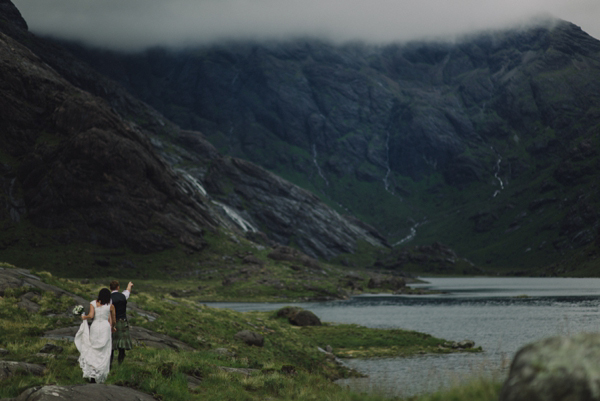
{"x": 404, "y": 134}
{"x": 104, "y": 171}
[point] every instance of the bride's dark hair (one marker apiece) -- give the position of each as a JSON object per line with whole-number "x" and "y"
{"x": 104, "y": 296}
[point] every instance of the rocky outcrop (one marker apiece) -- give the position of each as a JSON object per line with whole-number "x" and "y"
{"x": 15, "y": 278}
{"x": 285, "y": 211}
{"x": 139, "y": 335}
{"x": 84, "y": 171}
{"x": 9, "y": 368}
{"x": 558, "y": 368}
{"x": 90, "y": 392}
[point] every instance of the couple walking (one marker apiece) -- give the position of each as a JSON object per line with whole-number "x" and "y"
{"x": 108, "y": 332}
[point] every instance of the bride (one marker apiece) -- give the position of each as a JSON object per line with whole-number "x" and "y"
{"x": 94, "y": 342}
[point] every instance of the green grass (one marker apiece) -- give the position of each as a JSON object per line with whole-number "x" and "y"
{"x": 164, "y": 373}
{"x": 353, "y": 341}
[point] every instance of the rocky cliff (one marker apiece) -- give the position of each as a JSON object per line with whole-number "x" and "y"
{"x": 107, "y": 170}
{"x": 488, "y": 145}
{"x": 71, "y": 165}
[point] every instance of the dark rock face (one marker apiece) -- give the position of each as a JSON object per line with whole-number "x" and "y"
{"x": 83, "y": 170}
{"x": 501, "y": 107}
{"x": 96, "y": 177}
{"x": 557, "y": 368}
{"x": 91, "y": 392}
{"x": 285, "y": 211}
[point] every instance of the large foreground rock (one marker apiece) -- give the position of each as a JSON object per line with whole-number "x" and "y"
{"x": 88, "y": 392}
{"x": 556, "y": 369}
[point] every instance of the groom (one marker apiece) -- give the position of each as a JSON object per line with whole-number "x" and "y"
{"x": 120, "y": 339}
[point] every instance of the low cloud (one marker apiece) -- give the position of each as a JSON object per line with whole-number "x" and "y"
{"x": 136, "y": 24}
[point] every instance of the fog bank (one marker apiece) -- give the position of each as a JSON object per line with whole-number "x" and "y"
{"x": 135, "y": 24}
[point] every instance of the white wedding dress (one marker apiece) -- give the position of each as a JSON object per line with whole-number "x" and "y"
{"x": 94, "y": 343}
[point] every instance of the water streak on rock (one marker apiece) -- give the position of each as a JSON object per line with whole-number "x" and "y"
{"x": 314, "y": 149}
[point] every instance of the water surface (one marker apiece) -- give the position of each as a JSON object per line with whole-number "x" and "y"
{"x": 499, "y": 314}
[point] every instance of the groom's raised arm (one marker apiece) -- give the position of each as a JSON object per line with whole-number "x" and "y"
{"x": 127, "y": 292}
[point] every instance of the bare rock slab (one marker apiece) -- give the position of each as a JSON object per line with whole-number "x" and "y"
{"x": 88, "y": 392}
{"x": 9, "y": 368}
{"x": 139, "y": 335}
{"x": 556, "y": 369}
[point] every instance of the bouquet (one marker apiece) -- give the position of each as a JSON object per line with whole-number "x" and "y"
{"x": 78, "y": 310}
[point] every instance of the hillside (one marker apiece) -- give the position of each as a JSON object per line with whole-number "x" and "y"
{"x": 488, "y": 145}
{"x": 90, "y": 183}
{"x": 184, "y": 350}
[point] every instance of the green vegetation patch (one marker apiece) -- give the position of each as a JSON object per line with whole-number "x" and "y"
{"x": 353, "y": 341}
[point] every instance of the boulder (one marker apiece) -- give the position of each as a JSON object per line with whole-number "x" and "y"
{"x": 305, "y": 318}
{"x": 555, "y": 369}
{"x": 288, "y": 311}
{"x": 250, "y": 338}
{"x": 88, "y": 392}
{"x": 50, "y": 348}
{"x": 9, "y": 368}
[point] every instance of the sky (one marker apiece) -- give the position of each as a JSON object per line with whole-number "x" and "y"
{"x": 137, "y": 24}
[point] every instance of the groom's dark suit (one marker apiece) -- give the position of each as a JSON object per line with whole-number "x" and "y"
{"x": 121, "y": 339}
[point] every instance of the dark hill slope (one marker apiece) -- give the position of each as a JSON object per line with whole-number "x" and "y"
{"x": 71, "y": 165}
{"x": 101, "y": 170}
{"x": 489, "y": 145}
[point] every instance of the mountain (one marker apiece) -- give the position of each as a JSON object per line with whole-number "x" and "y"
{"x": 488, "y": 145}
{"x": 76, "y": 168}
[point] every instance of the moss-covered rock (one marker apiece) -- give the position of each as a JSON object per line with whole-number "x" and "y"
{"x": 557, "y": 368}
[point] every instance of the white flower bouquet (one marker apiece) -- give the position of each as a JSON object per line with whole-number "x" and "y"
{"x": 78, "y": 310}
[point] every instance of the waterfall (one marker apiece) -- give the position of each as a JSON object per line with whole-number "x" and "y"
{"x": 195, "y": 184}
{"x": 236, "y": 218}
{"x": 386, "y": 183}
{"x": 411, "y": 236}
{"x": 497, "y": 174}
{"x": 314, "y": 149}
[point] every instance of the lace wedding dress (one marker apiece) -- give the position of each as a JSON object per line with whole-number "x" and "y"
{"x": 94, "y": 343}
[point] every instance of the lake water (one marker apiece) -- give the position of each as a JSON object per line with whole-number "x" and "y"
{"x": 499, "y": 314}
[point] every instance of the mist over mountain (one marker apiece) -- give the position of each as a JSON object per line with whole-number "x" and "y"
{"x": 139, "y": 24}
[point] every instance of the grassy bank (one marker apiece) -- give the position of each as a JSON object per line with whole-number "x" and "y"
{"x": 288, "y": 366}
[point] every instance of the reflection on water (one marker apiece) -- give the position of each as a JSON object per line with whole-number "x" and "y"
{"x": 499, "y": 314}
